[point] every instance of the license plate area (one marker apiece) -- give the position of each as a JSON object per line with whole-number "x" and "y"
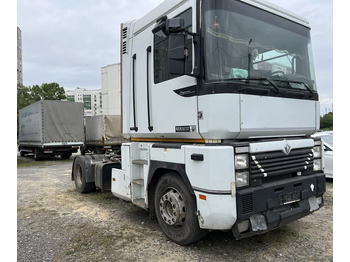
{"x": 289, "y": 198}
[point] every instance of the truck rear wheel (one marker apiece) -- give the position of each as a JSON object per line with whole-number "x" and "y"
{"x": 176, "y": 210}
{"x": 79, "y": 178}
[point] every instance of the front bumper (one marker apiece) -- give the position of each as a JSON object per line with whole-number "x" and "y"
{"x": 273, "y": 205}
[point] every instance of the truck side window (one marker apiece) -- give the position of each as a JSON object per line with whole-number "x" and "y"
{"x": 161, "y": 72}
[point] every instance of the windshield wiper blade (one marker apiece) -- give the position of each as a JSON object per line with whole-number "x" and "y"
{"x": 298, "y": 82}
{"x": 259, "y": 79}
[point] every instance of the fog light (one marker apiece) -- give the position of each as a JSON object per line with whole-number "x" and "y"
{"x": 243, "y": 226}
{"x": 317, "y": 165}
{"x": 242, "y": 179}
{"x": 319, "y": 200}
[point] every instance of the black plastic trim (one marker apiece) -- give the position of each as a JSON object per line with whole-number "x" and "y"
{"x": 197, "y": 157}
{"x": 135, "y": 128}
{"x": 150, "y": 128}
{"x": 167, "y": 145}
{"x": 188, "y": 91}
{"x": 179, "y": 168}
{"x": 268, "y": 199}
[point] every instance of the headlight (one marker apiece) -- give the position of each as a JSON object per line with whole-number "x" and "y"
{"x": 317, "y": 165}
{"x": 241, "y": 161}
{"x": 317, "y": 151}
{"x": 242, "y": 179}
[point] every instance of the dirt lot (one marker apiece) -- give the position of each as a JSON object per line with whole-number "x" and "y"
{"x": 55, "y": 223}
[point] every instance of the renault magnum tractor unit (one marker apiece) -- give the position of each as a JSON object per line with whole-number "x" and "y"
{"x": 219, "y": 103}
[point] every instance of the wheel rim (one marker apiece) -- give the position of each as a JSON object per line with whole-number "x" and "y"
{"x": 172, "y": 208}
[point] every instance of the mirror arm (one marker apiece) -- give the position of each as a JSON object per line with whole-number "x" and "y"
{"x": 196, "y": 41}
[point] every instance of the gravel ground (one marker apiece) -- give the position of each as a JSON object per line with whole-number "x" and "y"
{"x": 55, "y": 223}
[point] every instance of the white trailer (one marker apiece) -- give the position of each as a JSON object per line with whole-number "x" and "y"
{"x": 219, "y": 103}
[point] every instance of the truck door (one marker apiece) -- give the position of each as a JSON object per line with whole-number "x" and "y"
{"x": 173, "y": 110}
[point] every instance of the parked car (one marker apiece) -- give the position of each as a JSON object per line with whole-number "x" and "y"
{"x": 327, "y": 138}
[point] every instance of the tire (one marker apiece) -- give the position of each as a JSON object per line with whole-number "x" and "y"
{"x": 175, "y": 209}
{"x": 37, "y": 154}
{"x": 79, "y": 178}
{"x": 21, "y": 153}
{"x": 66, "y": 155}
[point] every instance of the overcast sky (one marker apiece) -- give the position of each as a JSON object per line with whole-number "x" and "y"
{"x": 68, "y": 41}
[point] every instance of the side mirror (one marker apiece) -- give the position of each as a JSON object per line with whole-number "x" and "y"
{"x": 177, "y": 44}
{"x": 175, "y": 25}
{"x": 176, "y": 54}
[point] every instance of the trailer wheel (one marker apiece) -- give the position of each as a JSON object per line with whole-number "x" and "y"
{"x": 66, "y": 155}
{"x": 79, "y": 178}
{"x": 37, "y": 154}
{"x": 176, "y": 209}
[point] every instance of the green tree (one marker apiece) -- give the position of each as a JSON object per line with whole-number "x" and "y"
{"x": 24, "y": 97}
{"x": 51, "y": 91}
{"x": 326, "y": 121}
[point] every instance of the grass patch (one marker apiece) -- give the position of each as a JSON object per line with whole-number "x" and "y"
{"x": 23, "y": 162}
{"x": 102, "y": 196}
{"x": 20, "y": 209}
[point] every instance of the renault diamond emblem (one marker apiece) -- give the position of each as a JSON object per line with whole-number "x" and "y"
{"x": 287, "y": 147}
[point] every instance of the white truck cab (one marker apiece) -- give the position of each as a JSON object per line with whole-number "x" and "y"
{"x": 219, "y": 103}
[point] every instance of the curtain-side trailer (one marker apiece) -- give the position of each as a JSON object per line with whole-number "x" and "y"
{"x": 50, "y": 127}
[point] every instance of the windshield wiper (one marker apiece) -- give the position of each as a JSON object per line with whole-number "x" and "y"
{"x": 259, "y": 79}
{"x": 298, "y": 82}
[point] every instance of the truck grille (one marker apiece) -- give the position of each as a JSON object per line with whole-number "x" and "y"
{"x": 272, "y": 164}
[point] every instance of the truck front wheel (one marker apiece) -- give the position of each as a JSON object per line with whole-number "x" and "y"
{"x": 79, "y": 178}
{"x": 176, "y": 210}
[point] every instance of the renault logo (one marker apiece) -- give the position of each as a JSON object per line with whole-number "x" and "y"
{"x": 286, "y": 148}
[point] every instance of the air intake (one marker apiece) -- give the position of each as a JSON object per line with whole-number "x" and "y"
{"x": 247, "y": 204}
{"x": 124, "y": 51}
{"x": 125, "y": 33}
{"x": 124, "y": 40}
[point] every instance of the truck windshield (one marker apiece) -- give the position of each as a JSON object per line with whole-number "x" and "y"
{"x": 245, "y": 42}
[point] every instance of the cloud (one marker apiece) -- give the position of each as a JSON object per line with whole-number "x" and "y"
{"x": 69, "y": 41}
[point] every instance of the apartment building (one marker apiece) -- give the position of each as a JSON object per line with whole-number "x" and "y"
{"x": 111, "y": 91}
{"x": 92, "y": 100}
{"x": 19, "y": 57}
